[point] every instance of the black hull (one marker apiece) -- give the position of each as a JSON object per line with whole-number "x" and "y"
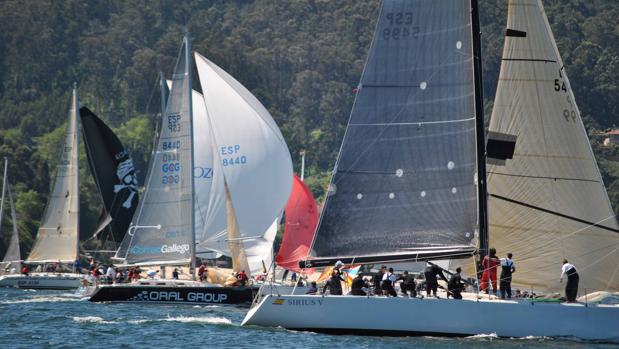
{"x": 189, "y": 295}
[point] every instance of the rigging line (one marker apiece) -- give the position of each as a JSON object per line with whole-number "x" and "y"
{"x": 413, "y": 123}
{"x": 546, "y": 177}
{"x": 554, "y": 213}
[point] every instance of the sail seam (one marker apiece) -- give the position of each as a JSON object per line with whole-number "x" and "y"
{"x": 529, "y": 60}
{"x": 414, "y": 123}
{"x": 546, "y": 177}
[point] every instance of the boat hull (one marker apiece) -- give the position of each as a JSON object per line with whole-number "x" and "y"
{"x": 435, "y": 317}
{"x": 43, "y": 281}
{"x": 174, "y": 294}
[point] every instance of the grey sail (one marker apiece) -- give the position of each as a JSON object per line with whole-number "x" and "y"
{"x": 12, "y": 253}
{"x": 404, "y": 185}
{"x": 547, "y": 202}
{"x": 58, "y": 236}
{"x": 161, "y": 231}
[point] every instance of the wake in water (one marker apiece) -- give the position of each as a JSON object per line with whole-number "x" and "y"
{"x": 213, "y": 320}
{"x": 64, "y": 297}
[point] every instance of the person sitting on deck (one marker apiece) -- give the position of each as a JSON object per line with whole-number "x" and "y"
{"x": 313, "y": 289}
{"x": 358, "y": 283}
{"x": 241, "y": 278}
{"x": 25, "y": 270}
{"x": 408, "y": 284}
{"x": 152, "y": 273}
{"x": 334, "y": 284}
{"x": 202, "y": 272}
{"x": 489, "y": 266}
{"x": 431, "y": 272}
{"x": 387, "y": 284}
{"x": 455, "y": 285}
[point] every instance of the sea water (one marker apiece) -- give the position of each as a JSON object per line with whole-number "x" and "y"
{"x": 59, "y": 319}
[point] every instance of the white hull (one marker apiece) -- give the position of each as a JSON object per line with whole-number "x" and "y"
{"x": 435, "y": 317}
{"x": 43, "y": 281}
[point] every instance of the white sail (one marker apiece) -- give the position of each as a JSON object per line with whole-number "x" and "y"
{"x": 12, "y": 253}
{"x": 250, "y": 154}
{"x": 553, "y": 167}
{"x": 161, "y": 231}
{"x": 259, "y": 250}
{"x": 58, "y": 235}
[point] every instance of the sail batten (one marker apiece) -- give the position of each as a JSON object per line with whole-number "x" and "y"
{"x": 405, "y": 177}
{"x": 548, "y": 202}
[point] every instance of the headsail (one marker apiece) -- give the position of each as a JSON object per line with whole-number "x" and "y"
{"x": 58, "y": 235}
{"x": 114, "y": 174}
{"x": 12, "y": 253}
{"x": 301, "y": 220}
{"x": 540, "y": 198}
{"x": 161, "y": 231}
{"x": 404, "y": 185}
{"x": 254, "y": 162}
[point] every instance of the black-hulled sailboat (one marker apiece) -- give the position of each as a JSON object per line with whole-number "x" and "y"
{"x": 409, "y": 183}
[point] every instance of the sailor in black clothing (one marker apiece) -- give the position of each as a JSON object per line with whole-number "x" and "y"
{"x": 388, "y": 283}
{"x": 334, "y": 284}
{"x": 455, "y": 285}
{"x": 571, "y": 289}
{"x": 378, "y": 279}
{"x": 408, "y": 284}
{"x": 358, "y": 283}
{"x": 431, "y": 272}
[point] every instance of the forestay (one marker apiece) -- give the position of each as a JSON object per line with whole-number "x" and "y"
{"x": 552, "y": 180}
{"x": 404, "y": 183}
{"x": 58, "y": 236}
{"x": 161, "y": 231}
{"x": 250, "y": 155}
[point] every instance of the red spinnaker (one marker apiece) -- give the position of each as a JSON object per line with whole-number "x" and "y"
{"x": 301, "y": 221}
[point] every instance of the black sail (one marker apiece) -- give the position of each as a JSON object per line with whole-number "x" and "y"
{"x": 404, "y": 186}
{"x": 114, "y": 175}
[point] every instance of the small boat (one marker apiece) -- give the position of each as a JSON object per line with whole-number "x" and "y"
{"x": 410, "y": 183}
{"x": 57, "y": 241}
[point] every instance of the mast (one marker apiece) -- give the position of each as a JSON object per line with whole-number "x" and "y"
{"x": 188, "y": 65}
{"x": 481, "y": 142}
{"x": 6, "y": 164}
{"x": 76, "y": 144}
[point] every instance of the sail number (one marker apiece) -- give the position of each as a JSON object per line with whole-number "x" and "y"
{"x": 559, "y": 85}
{"x": 174, "y": 123}
{"x": 230, "y": 155}
{"x": 400, "y": 26}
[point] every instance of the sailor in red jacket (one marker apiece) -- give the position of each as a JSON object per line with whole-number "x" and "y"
{"x": 489, "y": 266}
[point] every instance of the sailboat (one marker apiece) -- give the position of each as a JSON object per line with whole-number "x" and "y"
{"x": 409, "y": 183}
{"x": 114, "y": 175}
{"x": 220, "y": 191}
{"x": 11, "y": 263}
{"x": 57, "y": 241}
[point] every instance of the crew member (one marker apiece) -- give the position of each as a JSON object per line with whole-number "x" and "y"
{"x": 408, "y": 284}
{"x": 175, "y": 274}
{"x": 358, "y": 283}
{"x": 25, "y": 270}
{"x": 571, "y": 289}
{"x": 313, "y": 289}
{"x": 334, "y": 284}
{"x": 455, "y": 285}
{"x": 202, "y": 272}
{"x": 388, "y": 282}
{"x": 241, "y": 278}
{"x": 431, "y": 272}
{"x": 489, "y": 266}
{"x": 378, "y": 278}
{"x": 507, "y": 269}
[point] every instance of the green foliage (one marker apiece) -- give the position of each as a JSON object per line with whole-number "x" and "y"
{"x": 302, "y": 59}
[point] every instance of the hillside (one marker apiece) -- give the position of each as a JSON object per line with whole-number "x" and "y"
{"x": 302, "y": 59}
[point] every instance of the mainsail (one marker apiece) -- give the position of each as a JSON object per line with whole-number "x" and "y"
{"x": 405, "y": 183}
{"x": 548, "y": 202}
{"x": 114, "y": 174}
{"x": 58, "y": 236}
{"x": 162, "y": 230}
{"x": 301, "y": 220}
{"x": 12, "y": 253}
{"x": 253, "y": 161}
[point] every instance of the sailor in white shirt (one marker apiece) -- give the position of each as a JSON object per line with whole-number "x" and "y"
{"x": 571, "y": 289}
{"x": 110, "y": 274}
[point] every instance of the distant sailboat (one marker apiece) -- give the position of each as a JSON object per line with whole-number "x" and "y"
{"x": 58, "y": 236}
{"x": 114, "y": 175}
{"x": 12, "y": 256}
{"x": 409, "y": 181}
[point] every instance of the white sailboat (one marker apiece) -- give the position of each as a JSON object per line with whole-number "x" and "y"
{"x": 406, "y": 163}
{"x": 221, "y": 190}
{"x": 58, "y": 236}
{"x": 11, "y": 263}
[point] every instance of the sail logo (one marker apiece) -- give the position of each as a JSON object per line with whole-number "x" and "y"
{"x": 176, "y": 296}
{"x": 145, "y": 250}
{"x": 175, "y": 248}
{"x": 202, "y": 172}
